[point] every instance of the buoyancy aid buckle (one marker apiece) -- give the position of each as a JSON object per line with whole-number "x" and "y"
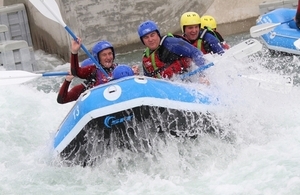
{"x": 90, "y": 81}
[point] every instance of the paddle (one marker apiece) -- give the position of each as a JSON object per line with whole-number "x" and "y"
{"x": 272, "y": 82}
{"x": 11, "y": 77}
{"x": 261, "y": 29}
{"x": 50, "y": 9}
{"x": 239, "y": 51}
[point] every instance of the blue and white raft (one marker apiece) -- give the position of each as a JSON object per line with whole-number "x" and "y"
{"x": 283, "y": 33}
{"x": 128, "y": 113}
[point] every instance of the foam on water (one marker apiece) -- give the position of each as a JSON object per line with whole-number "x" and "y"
{"x": 263, "y": 159}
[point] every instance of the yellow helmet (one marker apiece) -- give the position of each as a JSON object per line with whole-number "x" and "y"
{"x": 189, "y": 18}
{"x": 208, "y": 21}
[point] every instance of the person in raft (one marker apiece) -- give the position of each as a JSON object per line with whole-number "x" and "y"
{"x": 209, "y": 24}
{"x": 103, "y": 52}
{"x": 65, "y": 95}
{"x": 190, "y": 24}
{"x": 166, "y": 56}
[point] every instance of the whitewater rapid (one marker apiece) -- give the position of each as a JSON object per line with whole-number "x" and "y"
{"x": 263, "y": 159}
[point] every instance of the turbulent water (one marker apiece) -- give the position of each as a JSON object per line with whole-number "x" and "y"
{"x": 263, "y": 159}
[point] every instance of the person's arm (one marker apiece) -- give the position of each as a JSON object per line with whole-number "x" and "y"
{"x": 185, "y": 49}
{"x": 221, "y": 39}
{"x": 65, "y": 96}
{"x": 81, "y": 72}
{"x": 214, "y": 43}
{"x": 76, "y": 70}
{"x": 63, "y": 92}
{"x": 74, "y": 64}
{"x": 75, "y": 46}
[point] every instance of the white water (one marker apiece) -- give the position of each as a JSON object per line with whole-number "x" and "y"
{"x": 264, "y": 159}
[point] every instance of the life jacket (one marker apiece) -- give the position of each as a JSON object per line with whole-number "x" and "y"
{"x": 218, "y": 36}
{"x": 201, "y": 43}
{"x": 97, "y": 77}
{"x": 162, "y": 63}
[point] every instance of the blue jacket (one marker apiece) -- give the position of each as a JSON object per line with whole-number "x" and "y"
{"x": 214, "y": 43}
{"x": 184, "y": 48}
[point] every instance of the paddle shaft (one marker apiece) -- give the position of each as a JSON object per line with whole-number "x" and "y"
{"x": 47, "y": 74}
{"x": 86, "y": 51}
{"x": 53, "y": 13}
{"x": 13, "y": 74}
{"x": 15, "y": 77}
{"x": 241, "y": 50}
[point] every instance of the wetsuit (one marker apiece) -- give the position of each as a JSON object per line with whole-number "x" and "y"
{"x": 65, "y": 96}
{"x": 92, "y": 76}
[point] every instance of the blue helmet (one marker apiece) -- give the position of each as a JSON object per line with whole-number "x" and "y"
{"x": 146, "y": 28}
{"x": 121, "y": 71}
{"x": 87, "y": 62}
{"x": 100, "y": 46}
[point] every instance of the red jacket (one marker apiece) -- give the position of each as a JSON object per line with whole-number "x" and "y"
{"x": 65, "y": 96}
{"x": 93, "y": 78}
{"x": 154, "y": 67}
{"x": 89, "y": 71}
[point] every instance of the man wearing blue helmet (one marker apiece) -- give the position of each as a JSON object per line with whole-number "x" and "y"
{"x": 65, "y": 95}
{"x": 103, "y": 52}
{"x": 168, "y": 55}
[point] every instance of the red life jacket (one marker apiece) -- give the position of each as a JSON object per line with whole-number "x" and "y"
{"x": 91, "y": 73}
{"x": 219, "y": 37}
{"x": 101, "y": 78}
{"x": 201, "y": 44}
{"x": 155, "y": 67}
{"x": 96, "y": 77}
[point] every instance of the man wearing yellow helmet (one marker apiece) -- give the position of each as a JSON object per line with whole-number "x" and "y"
{"x": 206, "y": 42}
{"x": 209, "y": 24}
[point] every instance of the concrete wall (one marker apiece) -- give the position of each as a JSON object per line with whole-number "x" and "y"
{"x": 234, "y": 16}
{"x": 117, "y": 20}
{"x": 112, "y": 20}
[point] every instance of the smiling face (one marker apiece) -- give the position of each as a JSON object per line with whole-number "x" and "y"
{"x": 191, "y": 32}
{"x": 106, "y": 57}
{"x": 151, "y": 40}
